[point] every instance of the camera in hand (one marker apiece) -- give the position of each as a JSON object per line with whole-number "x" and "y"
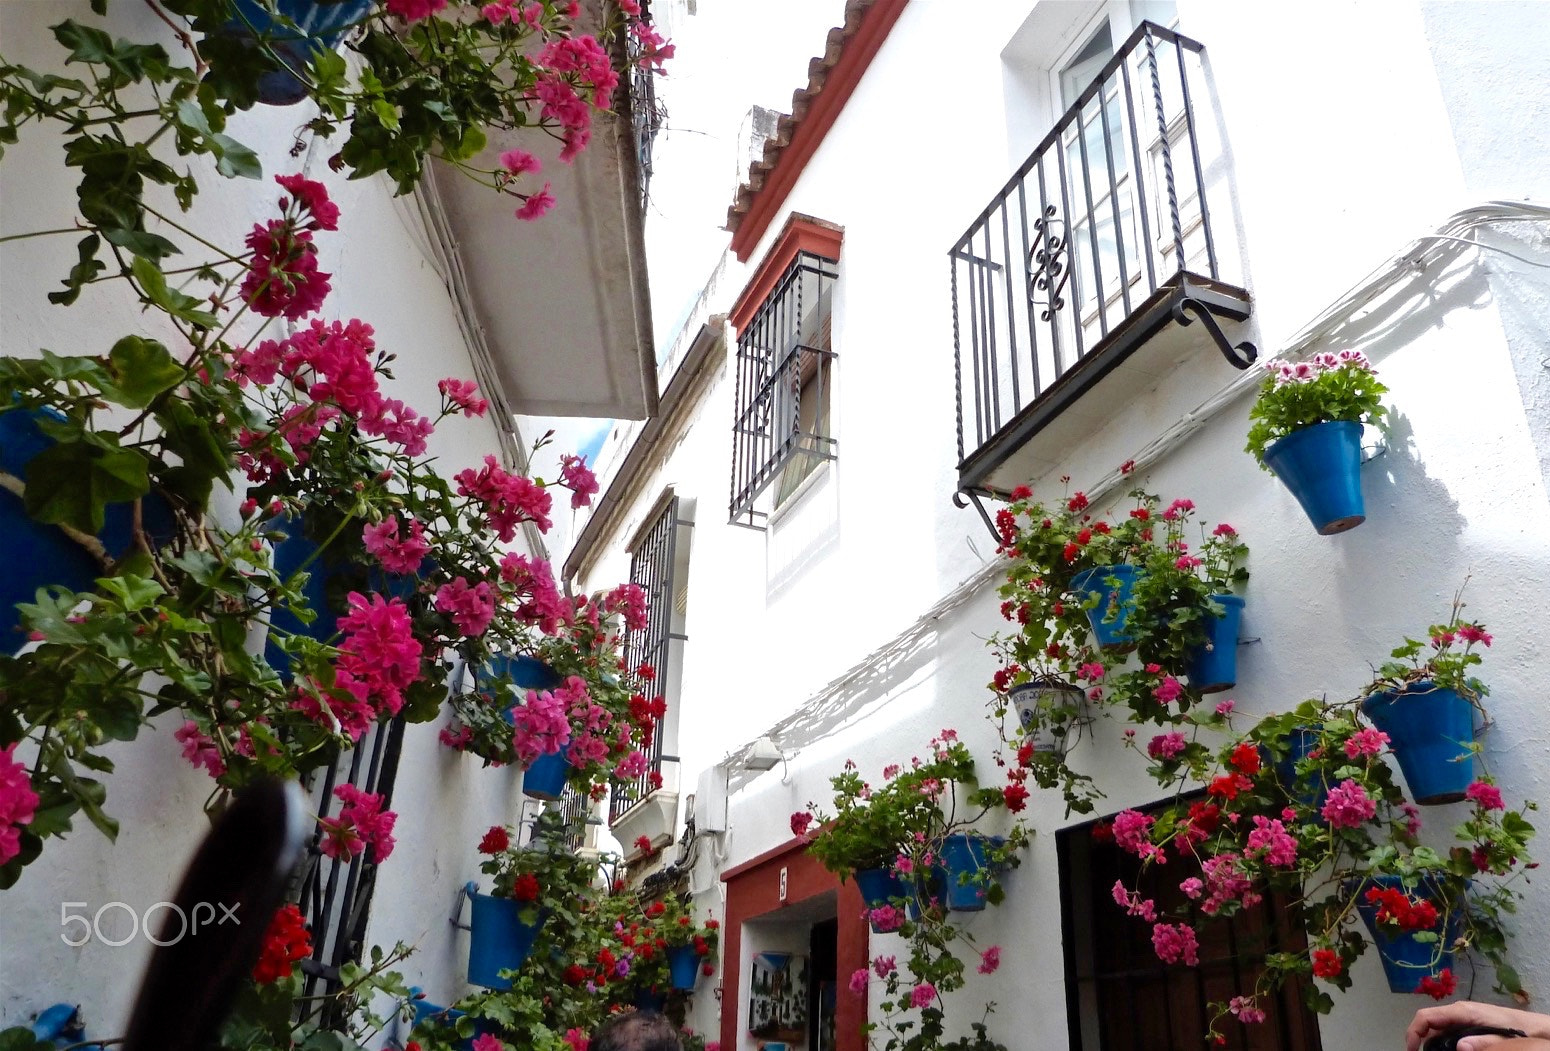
{"x": 1448, "y": 1039}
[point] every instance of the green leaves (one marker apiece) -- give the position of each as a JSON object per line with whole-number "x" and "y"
{"x": 140, "y": 368}
{"x": 232, "y": 158}
{"x": 153, "y": 284}
{"x": 126, "y": 63}
{"x": 87, "y": 267}
{"x": 73, "y": 482}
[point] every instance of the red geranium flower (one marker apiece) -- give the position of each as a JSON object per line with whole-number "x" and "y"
{"x": 1327, "y": 963}
{"x": 494, "y": 841}
{"x": 1441, "y": 986}
{"x": 285, "y": 942}
{"x": 1245, "y": 758}
{"x": 525, "y": 887}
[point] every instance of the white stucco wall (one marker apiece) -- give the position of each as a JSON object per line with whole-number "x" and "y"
{"x": 1351, "y": 130}
{"x": 383, "y": 272}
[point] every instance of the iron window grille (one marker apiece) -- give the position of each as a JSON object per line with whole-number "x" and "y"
{"x": 781, "y": 417}
{"x": 647, "y": 111}
{"x": 658, "y": 565}
{"x": 334, "y": 894}
{"x": 1109, "y": 213}
{"x": 576, "y": 808}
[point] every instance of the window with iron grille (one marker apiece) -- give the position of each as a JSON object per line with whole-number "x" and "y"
{"x": 576, "y": 808}
{"x": 659, "y": 563}
{"x": 1121, "y": 997}
{"x": 781, "y": 426}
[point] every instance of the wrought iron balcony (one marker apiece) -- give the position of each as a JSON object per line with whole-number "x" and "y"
{"x": 1084, "y": 271}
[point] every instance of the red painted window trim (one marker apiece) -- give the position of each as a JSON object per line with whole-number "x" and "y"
{"x": 802, "y": 234}
{"x": 753, "y": 891}
{"x": 820, "y": 117}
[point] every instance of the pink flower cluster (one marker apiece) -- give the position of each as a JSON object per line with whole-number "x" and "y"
{"x": 1133, "y": 903}
{"x": 18, "y": 803}
{"x": 360, "y": 823}
{"x": 568, "y": 68}
{"x": 1290, "y": 372}
{"x": 1175, "y": 943}
{"x": 629, "y": 600}
{"x": 414, "y": 10}
{"x": 199, "y": 748}
{"x": 397, "y": 555}
{"x": 508, "y": 499}
{"x": 1166, "y": 746}
{"x": 540, "y": 726}
{"x": 1366, "y": 741}
{"x": 1348, "y": 805}
{"x": 471, "y": 606}
{"x": 462, "y": 396}
{"x": 1270, "y": 836}
{"x": 283, "y": 279}
{"x": 579, "y": 479}
{"x": 1244, "y": 1010}
{"x": 1133, "y": 832}
{"x": 537, "y": 596}
{"x": 379, "y": 658}
{"x": 1485, "y": 795}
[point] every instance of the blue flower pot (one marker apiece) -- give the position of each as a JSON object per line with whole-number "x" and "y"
{"x": 38, "y": 554}
{"x": 1321, "y": 465}
{"x": 499, "y": 940}
{"x": 648, "y": 1000}
{"x": 1430, "y": 729}
{"x": 879, "y": 886}
{"x": 526, "y": 673}
{"x": 1300, "y": 741}
{"x": 1214, "y": 666}
{"x": 924, "y": 888}
{"x": 290, "y": 555}
{"x": 1110, "y": 633}
{"x": 545, "y": 776}
{"x": 683, "y": 965}
{"x": 963, "y": 857}
{"x": 429, "y": 1015}
{"x": 1405, "y": 960}
{"x": 319, "y": 25}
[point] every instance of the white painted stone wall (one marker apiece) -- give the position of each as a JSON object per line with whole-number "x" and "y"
{"x": 385, "y": 272}
{"x": 1352, "y": 129}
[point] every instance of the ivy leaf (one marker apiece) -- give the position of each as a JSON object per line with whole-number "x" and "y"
{"x": 87, "y": 267}
{"x": 141, "y": 368}
{"x": 73, "y": 482}
{"x": 135, "y": 593}
{"x": 180, "y": 305}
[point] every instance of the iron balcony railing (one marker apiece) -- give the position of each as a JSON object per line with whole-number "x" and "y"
{"x": 1107, "y": 210}
{"x": 781, "y": 362}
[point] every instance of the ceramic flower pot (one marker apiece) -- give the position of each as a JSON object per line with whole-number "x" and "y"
{"x": 650, "y": 1000}
{"x": 963, "y": 858}
{"x": 295, "y": 31}
{"x": 1032, "y": 699}
{"x": 323, "y": 566}
{"x": 1407, "y": 961}
{"x": 434, "y": 1016}
{"x": 683, "y": 966}
{"x": 499, "y": 940}
{"x": 526, "y": 673}
{"x": 1430, "y": 729}
{"x": 1214, "y": 666}
{"x": 1321, "y": 465}
{"x": 1115, "y": 586}
{"x": 879, "y": 886}
{"x": 545, "y": 776}
{"x": 37, "y": 554}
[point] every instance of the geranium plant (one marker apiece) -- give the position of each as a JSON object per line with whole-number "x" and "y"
{"x": 1326, "y": 388}
{"x": 1444, "y": 659}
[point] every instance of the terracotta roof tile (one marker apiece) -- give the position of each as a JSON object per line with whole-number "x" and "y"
{"x": 801, "y": 100}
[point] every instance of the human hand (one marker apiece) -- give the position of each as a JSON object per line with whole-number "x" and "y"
{"x": 1430, "y": 1021}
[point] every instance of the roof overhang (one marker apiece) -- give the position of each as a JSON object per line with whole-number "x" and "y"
{"x": 562, "y": 302}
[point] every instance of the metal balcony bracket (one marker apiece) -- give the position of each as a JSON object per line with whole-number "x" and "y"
{"x": 465, "y": 893}
{"x": 1239, "y": 356}
{"x": 964, "y": 497}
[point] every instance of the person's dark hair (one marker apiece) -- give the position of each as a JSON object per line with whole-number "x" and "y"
{"x": 636, "y": 1031}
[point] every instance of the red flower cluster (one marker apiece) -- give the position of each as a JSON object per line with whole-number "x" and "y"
{"x": 1245, "y": 759}
{"x": 1440, "y": 987}
{"x": 1016, "y": 797}
{"x": 494, "y": 841}
{"x": 525, "y": 887}
{"x": 1327, "y": 963}
{"x": 285, "y": 942}
{"x": 1397, "y": 907}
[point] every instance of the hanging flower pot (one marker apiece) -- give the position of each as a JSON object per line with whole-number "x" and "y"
{"x": 683, "y": 965}
{"x": 1043, "y": 708}
{"x": 1321, "y": 465}
{"x": 1299, "y": 743}
{"x": 963, "y": 859}
{"x": 926, "y": 890}
{"x": 650, "y": 1000}
{"x": 1114, "y": 586}
{"x": 1430, "y": 729}
{"x": 545, "y": 776}
{"x": 40, "y": 554}
{"x": 526, "y": 673}
{"x": 879, "y": 887}
{"x": 294, "y": 31}
{"x": 324, "y": 566}
{"x": 498, "y": 940}
{"x": 434, "y": 1016}
{"x": 1214, "y": 666}
{"x": 1406, "y": 961}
